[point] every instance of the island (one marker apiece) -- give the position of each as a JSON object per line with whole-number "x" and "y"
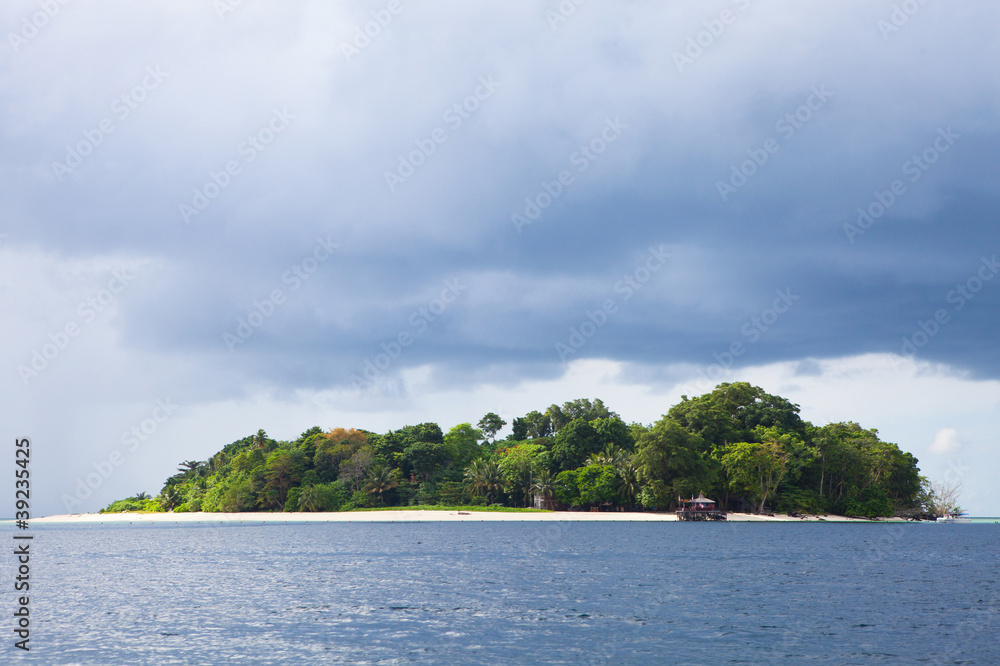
{"x": 748, "y": 450}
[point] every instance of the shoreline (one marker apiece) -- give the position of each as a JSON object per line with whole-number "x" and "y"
{"x": 421, "y": 516}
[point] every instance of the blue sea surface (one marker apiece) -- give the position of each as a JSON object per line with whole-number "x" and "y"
{"x": 513, "y": 593}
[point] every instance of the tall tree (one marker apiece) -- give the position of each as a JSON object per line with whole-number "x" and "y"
{"x": 426, "y": 460}
{"x": 579, "y": 409}
{"x": 332, "y": 450}
{"x": 519, "y": 466}
{"x": 670, "y": 462}
{"x": 394, "y": 441}
{"x": 573, "y": 443}
{"x": 944, "y": 497}
{"x": 491, "y": 424}
{"x": 756, "y": 468}
{"x": 463, "y": 442}
{"x": 731, "y": 411}
{"x": 615, "y": 432}
{"x": 534, "y": 425}
{"x": 283, "y": 470}
{"x": 354, "y": 469}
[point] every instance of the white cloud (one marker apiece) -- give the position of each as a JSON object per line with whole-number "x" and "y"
{"x": 946, "y": 441}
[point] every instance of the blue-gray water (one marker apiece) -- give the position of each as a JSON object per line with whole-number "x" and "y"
{"x": 676, "y": 593}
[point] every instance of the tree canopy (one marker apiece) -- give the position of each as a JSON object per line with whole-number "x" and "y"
{"x": 746, "y": 448}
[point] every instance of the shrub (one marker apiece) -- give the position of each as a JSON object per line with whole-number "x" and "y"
{"x": 452, "y": 493}
{"x": 123, "y": 505}
{"x": 359, "y": 500}
{"x": 292, "y": 503}
{"x": 655, "y": 495}
{"x": 873, "y": 502}
{"x": 597, "y": 484}
{"x": 334, "y": 495}
{"x": 797, "y": 499}
{"x": 566, "y": 490}
{"x": 427, "y": 493}
{"x": 132, "y": 504}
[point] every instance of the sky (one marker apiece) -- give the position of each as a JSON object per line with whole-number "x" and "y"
{"x": 217, "y": 217}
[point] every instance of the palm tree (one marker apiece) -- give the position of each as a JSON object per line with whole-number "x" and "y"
{"x": 310, "y": 499}
{"x": 188, "y": 466}
{"x": 169, "y": 498}
{"x": 483, "y": 478}
{"x": 141, "y": 496}
{"x": 380, "y": 479}
{"x": 543, "y": 485}
{"x": 260, "y": 439}
{"x": 611, "y": 455}
{"x": 218, "y": 461}
{"x": 628, "y": 487}
{"x": 474, "y": 478}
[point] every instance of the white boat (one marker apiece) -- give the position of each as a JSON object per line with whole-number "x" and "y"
{"x": 954, "y": 518}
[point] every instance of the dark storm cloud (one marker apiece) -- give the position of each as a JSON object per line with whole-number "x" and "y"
{"x": 487, "y": 107}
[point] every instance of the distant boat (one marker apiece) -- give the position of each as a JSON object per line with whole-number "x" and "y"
{"x": 954, "y": 518}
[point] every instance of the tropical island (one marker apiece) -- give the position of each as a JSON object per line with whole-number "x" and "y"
{"x": 749, "y": 450}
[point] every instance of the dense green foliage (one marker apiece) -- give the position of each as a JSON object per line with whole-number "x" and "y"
{"x": 739, "y": 445}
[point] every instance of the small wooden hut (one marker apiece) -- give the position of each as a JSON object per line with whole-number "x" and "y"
{"x": 699, "y": 508}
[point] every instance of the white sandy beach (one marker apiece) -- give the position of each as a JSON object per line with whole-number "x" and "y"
{"x": 408, "y": 516}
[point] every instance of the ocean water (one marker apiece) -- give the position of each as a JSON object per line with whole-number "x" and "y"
{"x": 488, "y": 593}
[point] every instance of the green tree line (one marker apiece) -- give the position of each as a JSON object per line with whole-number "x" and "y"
{"x": 748, "y": 450}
